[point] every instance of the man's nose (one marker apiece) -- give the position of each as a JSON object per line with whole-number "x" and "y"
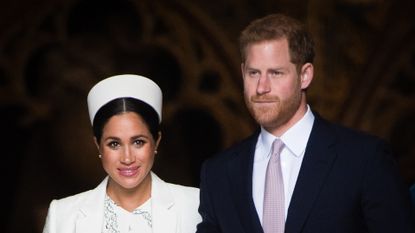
{"x": 264, "y": 85}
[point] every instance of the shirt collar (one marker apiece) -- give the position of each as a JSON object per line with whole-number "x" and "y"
{"x": 295, "y": 138}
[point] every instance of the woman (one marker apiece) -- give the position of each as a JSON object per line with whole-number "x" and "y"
{"x": 125, "y": 112}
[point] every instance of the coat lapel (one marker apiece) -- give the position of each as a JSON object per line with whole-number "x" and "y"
{"x": 164, "y": 220}
{"x": 318, "y": 159}
{"x": 164, "y": 215}
{"x": 91, "y": 212}
{"x": 240, "y": 168}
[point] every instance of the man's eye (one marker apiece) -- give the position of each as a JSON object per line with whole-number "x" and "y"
{"x": 276, "y": 73}
{"x": 253, "y": 73}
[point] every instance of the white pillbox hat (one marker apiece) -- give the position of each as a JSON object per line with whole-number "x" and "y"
{"x": 124, "y": 86}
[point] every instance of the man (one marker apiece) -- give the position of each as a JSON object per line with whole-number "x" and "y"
{"x": 325, "y": 178}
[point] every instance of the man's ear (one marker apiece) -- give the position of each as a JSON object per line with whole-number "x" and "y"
{"x": 307, "y": 74}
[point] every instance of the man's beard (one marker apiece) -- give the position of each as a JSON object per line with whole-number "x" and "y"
{"x": 274, "y": 114}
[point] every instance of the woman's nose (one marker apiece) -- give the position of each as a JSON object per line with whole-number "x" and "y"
{"x": 127, "y": 156}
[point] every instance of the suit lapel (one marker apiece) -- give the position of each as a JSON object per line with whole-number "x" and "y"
{"x": 318, "y": 159}
{"x": 164, "y": 215}
{"x": 91, "y": 212}
{"x": 240, "y": 168}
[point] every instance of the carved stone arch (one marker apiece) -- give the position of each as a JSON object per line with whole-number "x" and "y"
{"x": 365, "y": 69}
{"x": 70, "y": 45}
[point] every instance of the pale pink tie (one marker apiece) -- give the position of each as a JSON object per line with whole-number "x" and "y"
{"x": 273, "y": 219}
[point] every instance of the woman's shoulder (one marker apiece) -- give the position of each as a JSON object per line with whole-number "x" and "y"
{"x": 185, "y": 195}
{"x": 178, "y": 191}
{"x": 183, "y": 189}
{"x": 80, "y": 198}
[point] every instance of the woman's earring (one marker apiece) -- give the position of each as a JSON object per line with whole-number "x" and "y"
{"x": 155, "y": 151}
{"x": 99, "y": 156}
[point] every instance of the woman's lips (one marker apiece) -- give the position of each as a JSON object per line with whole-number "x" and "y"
{"x": 128, "y": 171}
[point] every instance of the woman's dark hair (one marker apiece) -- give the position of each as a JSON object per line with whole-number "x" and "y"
{"x": 122, "y": 105}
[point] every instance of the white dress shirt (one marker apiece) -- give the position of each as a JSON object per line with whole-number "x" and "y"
{"x": 295, "y": 140}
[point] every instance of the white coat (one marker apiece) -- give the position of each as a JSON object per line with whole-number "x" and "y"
{"x": 174, "y": 210}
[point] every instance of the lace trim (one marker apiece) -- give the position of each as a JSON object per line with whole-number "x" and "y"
{"x": 111, "y": 218}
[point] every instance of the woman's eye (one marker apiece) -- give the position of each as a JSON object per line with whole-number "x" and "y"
{"x": 113, "y": 145}
{"x": 139, "y": 142}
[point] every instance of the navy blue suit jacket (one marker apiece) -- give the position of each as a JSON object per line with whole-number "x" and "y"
{"x": 348, "y": 183}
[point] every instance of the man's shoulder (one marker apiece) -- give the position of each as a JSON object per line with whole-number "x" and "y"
{"x": 245, "y": 145}
{"x": 343, "y": 132}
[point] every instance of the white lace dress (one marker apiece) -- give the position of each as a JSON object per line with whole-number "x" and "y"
{"x": 117, "y": 219}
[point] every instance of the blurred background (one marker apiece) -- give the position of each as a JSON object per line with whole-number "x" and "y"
{"x": 53, "y": 51}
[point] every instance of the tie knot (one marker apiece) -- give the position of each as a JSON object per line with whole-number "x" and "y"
{"x": 277, "y": 146}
